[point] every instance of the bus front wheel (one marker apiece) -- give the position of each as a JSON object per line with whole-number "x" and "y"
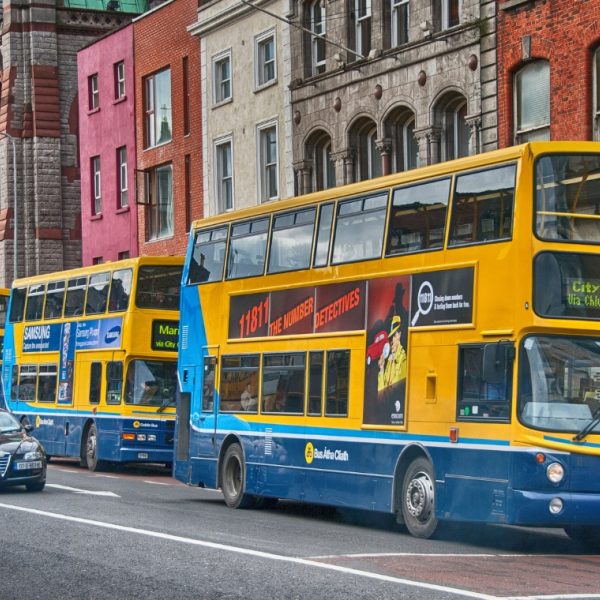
{"x": 418, "y": 499}
{"x": 233, "y": 478}
{"x": 91, "y": 450}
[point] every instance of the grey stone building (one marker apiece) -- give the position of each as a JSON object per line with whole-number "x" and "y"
{"x": 393, "y": 85}
{"x": 39, "y": 165}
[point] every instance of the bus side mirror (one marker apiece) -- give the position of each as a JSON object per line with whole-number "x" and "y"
{"x": 496, "y": 361}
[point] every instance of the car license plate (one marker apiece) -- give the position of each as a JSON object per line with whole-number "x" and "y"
{"x": 24, "y": 466}
{"x": 142, "y": 455}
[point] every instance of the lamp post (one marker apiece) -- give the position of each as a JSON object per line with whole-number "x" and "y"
{"x": 15, "y": 206}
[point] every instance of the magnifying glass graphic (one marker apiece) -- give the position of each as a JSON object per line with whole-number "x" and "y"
{"x": 424, "y": 301}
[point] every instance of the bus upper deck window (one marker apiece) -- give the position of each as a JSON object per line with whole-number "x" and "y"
{"x": 35, "y": 302}
{"x": 291, "y": 241}
{"x": 120, "y": 290}
{"x": 75, "y": 296}
{"x": 97, "y": 294}
{"x": 482, "y": 206}
{"x": 418, "y": 217}
{"x": 247, "y": 249}
{"x": 158, "y": 287}
{"x": 55, "y": 297}
{"x": 17, "y": 306}
{"x": 323, "y": 235}
{"x": 359, "y": 229}
{"x": 208, "y": 256}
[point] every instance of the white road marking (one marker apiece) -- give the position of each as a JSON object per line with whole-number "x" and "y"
{"x": 289, "y": 559}
{"x": 156, "y": 482}
{"x": 79, "y": 491}
{"x": 105, "y": 476}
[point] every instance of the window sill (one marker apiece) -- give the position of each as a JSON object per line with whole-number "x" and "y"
{"x": 157, "y": 145}
{"x": 264, "y": 86}
{"x": 509, "y": 4}
{"x": 93, "y": 111}
{"x": 223, "y": 102}
{"x": 123, "y": 209}
{"x": 160, "y": 239}
{"x": 119, "y": 100}
{"x": 97, "y": 217}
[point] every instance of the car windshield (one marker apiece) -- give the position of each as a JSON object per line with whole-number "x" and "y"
{"x": 8, "y": 423}
{"x": 559, "y": 383}
{"x": 151, "y": 383}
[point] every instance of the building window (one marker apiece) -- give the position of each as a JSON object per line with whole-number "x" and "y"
{"x": 455, "y": 131}
{"x": 268, "y": 163}
{"x": 532, "y": 102}
{"x": 222, "y": 78}
{"x": 157, "y": 108}
{"x": 185, "y": 67}
{"x": 317, "y": 40}
{"x": 324, "y": 171}
{"x": 266, "y": 60}
{"x": 368, "y": 161}
{"x": 449, "y": 12}
{"x": 362, "y": 16}
{"x": 159, "y": 201}
{"x": 123, "y": 255}
{"x": 119, "y": 80}
{"x": 96, "y": 186}
{"x": 93, "y": 92}
{"x": 122, "y": 187}
{"x": 406, "y": 153}
{"x": 400, "y": 11}
{"x": 224, "y": 180}
{"x": 97, "y": 260}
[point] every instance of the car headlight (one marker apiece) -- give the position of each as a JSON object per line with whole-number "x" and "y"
{"x": 28, "y": 447}
{"x": 555, "y": 472}
{"x": 35, "y": 455}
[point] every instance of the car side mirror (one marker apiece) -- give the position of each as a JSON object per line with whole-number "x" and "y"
{"x": 28, "y": 428}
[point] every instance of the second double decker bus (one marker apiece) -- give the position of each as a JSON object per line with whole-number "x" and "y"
{"x": 90, "y": 359}
{"x": 425, "y": 344}
{"x": 4, "y": 295}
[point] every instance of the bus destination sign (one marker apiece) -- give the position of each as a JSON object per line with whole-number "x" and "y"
{"x": 165, "y": 336}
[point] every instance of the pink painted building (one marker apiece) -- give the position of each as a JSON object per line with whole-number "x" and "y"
{"x": 107, "y": 148}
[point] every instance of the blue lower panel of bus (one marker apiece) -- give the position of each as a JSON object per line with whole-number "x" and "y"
{"x": 119, "y": 439}
{"x": 476, "y": 480}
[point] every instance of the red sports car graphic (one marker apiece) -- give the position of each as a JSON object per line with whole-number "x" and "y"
{"x": 378, "y": 347}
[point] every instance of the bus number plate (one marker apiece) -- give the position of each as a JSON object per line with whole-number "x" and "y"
{"x": 142, "y": 455}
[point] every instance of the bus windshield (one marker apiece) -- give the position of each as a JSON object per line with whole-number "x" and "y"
{"x": 568, "y": 197}
{"x": 158, "y": 287}
{"x": 151, "y": 383}
{"x": 559, "y": 382}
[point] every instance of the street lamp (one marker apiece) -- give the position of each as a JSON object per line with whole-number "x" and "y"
{"x": 3, "y": 134}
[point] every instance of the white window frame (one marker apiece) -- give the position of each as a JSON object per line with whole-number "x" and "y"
{"x": 397, "y": 6}
{"x": 265, "y": 167}
{"x": 119, "y": 80}
{"x": 451, "y": 121}
{"x": 260, "y": 62}
{"x": 123, "y": 191}
{"x": 324, "y": 171}
{"x": 153, "y": 213}
{"x": 94, "y": 92}
{"x": 319, "y": 29}
{"x": 96, "y": 186}
{"x": 362, "y": 21}
{"x": 219, "y": 95}
{"x": 221, "y": 178}
{"x": 152, "y": 117}
{"x": 446, "y": 12}
{"x": 539, "y": 132}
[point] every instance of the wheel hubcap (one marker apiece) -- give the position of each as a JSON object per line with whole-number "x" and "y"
{"x": 419, "y": 496}
{"x": 91, "y": 446}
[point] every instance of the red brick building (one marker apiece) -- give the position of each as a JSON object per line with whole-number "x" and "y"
{"x": 168, "y": 127}
{"x": 548, "y": 67}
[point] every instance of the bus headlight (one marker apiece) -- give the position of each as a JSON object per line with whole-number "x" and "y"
{"x": 555, "y": 472}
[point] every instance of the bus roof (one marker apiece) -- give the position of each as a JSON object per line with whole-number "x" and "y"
{"x": 100, "y": 268}
{"x": 414, "y": 175}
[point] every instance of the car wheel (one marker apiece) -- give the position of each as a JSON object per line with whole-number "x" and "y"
{"x": 233, "y": 478}
{"x": 91, "y": 450}
{"x": 418, "y": 499}
{"x": 38, "y": 486}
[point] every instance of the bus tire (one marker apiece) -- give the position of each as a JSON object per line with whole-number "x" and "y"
{"x": 418, "y": 499}
{"x": 587, "y": 536}
{"x": 233, "y": 478}
{"x": 91, "y": 450}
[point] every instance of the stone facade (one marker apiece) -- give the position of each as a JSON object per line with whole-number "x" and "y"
{"x": 39, "y": 121}
{"x": 438, "y": 78}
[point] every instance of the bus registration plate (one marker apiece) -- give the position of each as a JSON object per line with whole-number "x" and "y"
{"x": 142, "y": 455}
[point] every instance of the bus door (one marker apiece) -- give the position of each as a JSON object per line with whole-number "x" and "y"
{"x": 204, "y": 415}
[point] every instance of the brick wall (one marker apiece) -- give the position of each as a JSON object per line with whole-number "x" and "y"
{"x": 161, "y": 40}
{"x": 563, "y": 32}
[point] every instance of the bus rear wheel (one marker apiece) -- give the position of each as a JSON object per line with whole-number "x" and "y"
{"x": 233, "y": 478}
{"x": 418, "y": 499}
{"x": 587, "y": 536}
{"x": 91, "y": 450}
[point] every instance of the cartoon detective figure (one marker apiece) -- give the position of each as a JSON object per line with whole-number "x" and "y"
{"x": 393, "y": 368}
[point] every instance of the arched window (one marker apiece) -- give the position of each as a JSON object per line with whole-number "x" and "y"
{"x": 324, "y": 171}
{"x": 455, "y": 131}
{"x": 532, "y": 102}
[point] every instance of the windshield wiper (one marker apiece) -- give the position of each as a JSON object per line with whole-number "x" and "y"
{"x": 595, "y": 420}
{"x": 165, "y": 403}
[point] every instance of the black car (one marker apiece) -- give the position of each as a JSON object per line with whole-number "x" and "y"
{"x": 22, "y": 457}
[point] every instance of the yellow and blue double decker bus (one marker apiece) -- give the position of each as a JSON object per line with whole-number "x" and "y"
{"x": 425, "y": 344}
{"x": 4, "y": 295}
{"x": 90, "y": 359}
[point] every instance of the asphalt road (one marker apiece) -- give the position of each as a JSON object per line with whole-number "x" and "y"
{"x": 137, "y": 533}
